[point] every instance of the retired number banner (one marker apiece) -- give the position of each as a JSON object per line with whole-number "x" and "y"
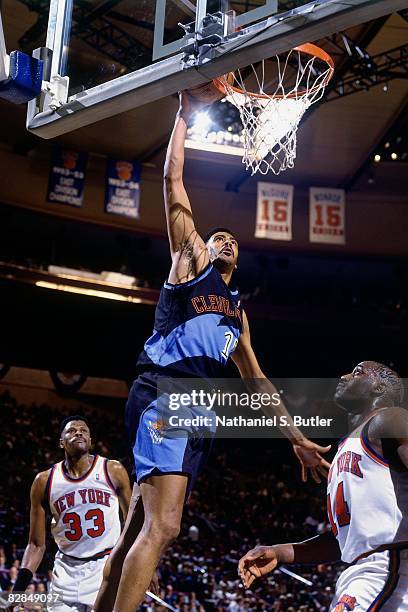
{"x": 122, "y": 193}
{"x": 274, "y": 211}
{"x": 67, "y": 177}
{"x": 327, "y": 215}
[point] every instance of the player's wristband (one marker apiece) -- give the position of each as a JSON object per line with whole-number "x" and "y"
{"x": 23, "y": 580}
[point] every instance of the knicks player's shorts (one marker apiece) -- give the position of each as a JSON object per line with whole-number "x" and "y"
{"x": 76, "y": 582}
{"x": 378, "y": 582}
{"x": 157, "y": 449}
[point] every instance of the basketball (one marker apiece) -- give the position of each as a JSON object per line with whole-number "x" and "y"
{"x": 208, "y": 93}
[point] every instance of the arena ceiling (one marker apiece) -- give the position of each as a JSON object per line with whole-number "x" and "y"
{"x": 337, "y": 139}
{"x": 336, "y": 146}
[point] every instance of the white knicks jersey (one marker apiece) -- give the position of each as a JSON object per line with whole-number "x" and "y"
{"x": 361, "y": 499}
{"x": 85, "y": 511}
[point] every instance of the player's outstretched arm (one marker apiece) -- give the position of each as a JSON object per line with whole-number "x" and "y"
{"x": 308, "y": 453}
{"x": 35, "y": 549}
{"x": 262, "y": 560}
{"x": 188, "y": 252}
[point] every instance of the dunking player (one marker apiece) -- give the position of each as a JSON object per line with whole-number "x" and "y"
{"x": 367, "y": 501}
{"x": 199, "y": 322}
{"x": 83, "y": 493}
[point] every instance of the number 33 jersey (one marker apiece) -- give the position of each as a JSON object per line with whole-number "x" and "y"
{"x": 85, "y": 511}
{"x": 362, "y": 503}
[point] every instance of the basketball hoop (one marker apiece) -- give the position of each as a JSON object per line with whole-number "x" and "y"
{"x": 272, "y": 97}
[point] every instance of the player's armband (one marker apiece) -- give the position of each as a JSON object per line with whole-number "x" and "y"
{"x": 23, "y": 579}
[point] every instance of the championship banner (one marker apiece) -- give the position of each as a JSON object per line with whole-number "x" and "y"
{"x": 67, "y": 177}
{"x": 274, "y": 211}
{"x": 67, "y": 382}
{"x": 122, "y": 193}
{"x": 327, "y": 215}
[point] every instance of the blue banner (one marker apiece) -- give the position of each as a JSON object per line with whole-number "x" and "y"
{"x": 67, "y": 177}
{"x": 122, "y": 193}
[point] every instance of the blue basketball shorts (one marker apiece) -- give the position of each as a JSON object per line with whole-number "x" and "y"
{"x": 158, "y": 448}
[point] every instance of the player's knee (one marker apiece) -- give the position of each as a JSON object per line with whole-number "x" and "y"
{"x": 171, "y": 530}
{"x": 164, "y": 530}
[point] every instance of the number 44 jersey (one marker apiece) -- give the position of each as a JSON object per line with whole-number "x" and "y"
{"x": 85, "y": 511}
{"x": 367, "y": 502}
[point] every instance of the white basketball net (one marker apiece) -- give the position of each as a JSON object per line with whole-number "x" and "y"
{"x": 270, "y": 122}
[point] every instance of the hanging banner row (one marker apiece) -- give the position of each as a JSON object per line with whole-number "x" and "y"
{"x": 274, "y": 204}
{"x": 66, "y": 182}
{"x": 326, "y": 213}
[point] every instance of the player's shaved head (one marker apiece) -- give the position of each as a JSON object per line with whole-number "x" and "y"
{"x": 370, "y": 385}
{"x": 394, "y": 388}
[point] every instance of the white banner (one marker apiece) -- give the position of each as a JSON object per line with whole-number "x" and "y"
{"x": 274, "y": 211}
{"x": 327, "y": 215}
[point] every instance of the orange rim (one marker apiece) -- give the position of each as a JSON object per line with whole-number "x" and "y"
{"x": 308, "y": 49}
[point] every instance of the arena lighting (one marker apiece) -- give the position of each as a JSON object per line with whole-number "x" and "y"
{"x": 394, "y": 156}
{"x": 377, "y": 158}
{"x": 202, "y": 123}
{"x": 107, "y": 295}
{"x": 218, "y": 130}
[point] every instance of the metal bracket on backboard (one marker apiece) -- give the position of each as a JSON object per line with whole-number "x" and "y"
{"x": 214, "y": 30}
{"x": 161, "y": 50}
{"x": 56, "y": 91}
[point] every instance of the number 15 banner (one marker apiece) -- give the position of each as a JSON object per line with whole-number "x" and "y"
{"x": 274, "y": 211}
{"x": 327, "y": 215}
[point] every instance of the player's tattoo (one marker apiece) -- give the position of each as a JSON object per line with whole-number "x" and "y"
{"x": 188, "y": 243}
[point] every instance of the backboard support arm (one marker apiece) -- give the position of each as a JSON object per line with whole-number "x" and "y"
{"x": 4, "y": 58}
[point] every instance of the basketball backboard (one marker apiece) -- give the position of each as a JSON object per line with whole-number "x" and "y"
{"x": 108, "y": 56}
{"x": 4, "y": 58}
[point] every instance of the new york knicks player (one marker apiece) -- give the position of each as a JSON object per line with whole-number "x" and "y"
{"x": 367, "y": 501}
{"x": 83, "y": 492}
{"x": 199, "y": 324}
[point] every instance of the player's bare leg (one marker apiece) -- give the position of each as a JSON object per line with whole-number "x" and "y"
{"x": 113, "y": 568}
{"x": 163, "y": 500}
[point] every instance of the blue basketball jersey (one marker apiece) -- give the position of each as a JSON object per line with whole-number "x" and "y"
{"x": 197, "y": 327}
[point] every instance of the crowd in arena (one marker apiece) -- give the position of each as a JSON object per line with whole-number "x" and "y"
{"x": 249, "y": 493}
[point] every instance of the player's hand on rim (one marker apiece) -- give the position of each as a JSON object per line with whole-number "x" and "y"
{"x": 257, "y": 563}
{"x": 309, "y": 455}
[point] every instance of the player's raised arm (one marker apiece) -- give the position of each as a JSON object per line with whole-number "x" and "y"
{"x": 262, "y": 560}
{"x": 120, "y": 480}
{"x": 306, "y": 451}
{"x": 188, "y": 252}
{"x": 35, "y": 549}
